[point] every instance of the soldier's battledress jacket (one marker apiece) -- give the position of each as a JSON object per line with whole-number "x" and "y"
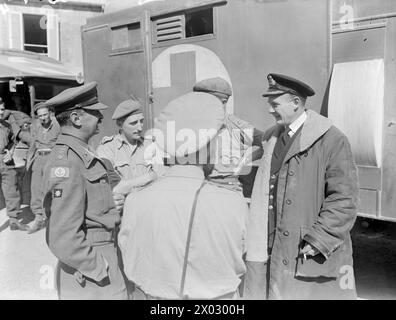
{"x": 78, "y": 199}
{"x": 130, "y": 161}
{"x": 6, "y": 136}
{"x": 236, "y": 136}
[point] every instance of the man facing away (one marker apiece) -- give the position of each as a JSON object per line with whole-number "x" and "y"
{"x": 43, "y": 137}
{"x": 303, "y": 203}
{"x": 183, "y": 236}
{"x": 83, "y": 213}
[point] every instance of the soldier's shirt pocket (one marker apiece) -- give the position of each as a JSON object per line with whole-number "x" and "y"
{"x": 318, "y": 265}
{"x": 98, "y": 191}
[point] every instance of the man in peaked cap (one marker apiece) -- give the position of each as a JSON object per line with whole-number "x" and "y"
{"x": 162, "y": 265}
{"x": 133, "y": 157}
{"x": 44, "y": 134}
{"x": 236, "y": 139}
{"x": 78, "y": 200}
{"x": 303, "y": 203}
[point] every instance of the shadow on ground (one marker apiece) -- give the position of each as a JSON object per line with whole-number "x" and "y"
{"x": 374, "y": 246}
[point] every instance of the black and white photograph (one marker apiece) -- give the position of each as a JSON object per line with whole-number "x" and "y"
{"x": 204, "y": 150}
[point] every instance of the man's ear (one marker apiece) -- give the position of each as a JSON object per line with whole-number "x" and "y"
{"x": 296, "y": 101}
{"x": 75, "y": 118}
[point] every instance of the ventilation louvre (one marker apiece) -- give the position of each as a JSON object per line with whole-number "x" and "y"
{"x": 171, "y": 28}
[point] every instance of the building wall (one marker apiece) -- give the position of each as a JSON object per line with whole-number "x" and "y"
{"x": 70, "y": 22}
{"x": 343, "y": 10}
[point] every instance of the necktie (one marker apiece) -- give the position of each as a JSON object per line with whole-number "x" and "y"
{"x": 280, "y": 150}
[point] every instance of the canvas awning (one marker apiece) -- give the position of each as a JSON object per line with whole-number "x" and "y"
{"x": 20, "y": 64}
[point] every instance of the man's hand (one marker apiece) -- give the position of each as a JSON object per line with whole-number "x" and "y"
{"x": 309, "y": 250}
{"x": 7, "y": 156}
{"x": 119, "y": 200}
{"x": 123, "y": 188}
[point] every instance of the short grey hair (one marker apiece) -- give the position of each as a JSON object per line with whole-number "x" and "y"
{"x": 63, "y": 118}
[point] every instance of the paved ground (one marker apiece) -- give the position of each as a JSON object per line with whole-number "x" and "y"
{"x": 27, "y": 266}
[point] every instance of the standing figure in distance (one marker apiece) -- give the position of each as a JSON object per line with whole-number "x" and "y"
{"x": 44, "y": 134}
{"x": 8, "y": 173}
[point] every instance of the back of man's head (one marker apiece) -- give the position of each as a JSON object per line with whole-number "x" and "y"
{"x": 185, "y": 127}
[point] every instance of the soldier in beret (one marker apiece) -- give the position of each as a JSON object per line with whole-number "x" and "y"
{"x": 43, "y": 137}
{"x": 82, "y": 210}
{"x": 303, "y": 203}
{"x": 134, "y": 157}
{"x": 183, "y": 237}
{"x": 237, "y": 138}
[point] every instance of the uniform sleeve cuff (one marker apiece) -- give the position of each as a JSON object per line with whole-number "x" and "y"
{"x": 314, "y": 242}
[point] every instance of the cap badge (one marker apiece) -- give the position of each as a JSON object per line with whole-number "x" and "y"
{"x": 271, "y": 81}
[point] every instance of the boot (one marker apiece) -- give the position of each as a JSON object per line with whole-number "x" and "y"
{"x": 38, "y": 224}
{"x": 16, "y": 225}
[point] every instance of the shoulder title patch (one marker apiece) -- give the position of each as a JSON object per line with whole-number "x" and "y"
{"x": 106, "y": 139}
{"x": 60, "y": 172}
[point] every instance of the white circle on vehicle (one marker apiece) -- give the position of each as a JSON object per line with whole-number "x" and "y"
{"x": 207, "y": 64}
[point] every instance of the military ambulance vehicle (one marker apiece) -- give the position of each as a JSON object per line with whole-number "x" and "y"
{"x": 159, "y": 49}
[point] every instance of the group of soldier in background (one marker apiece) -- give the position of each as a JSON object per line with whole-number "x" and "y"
{"x": 147, "y": 215}
{"x": 40, "y": 135}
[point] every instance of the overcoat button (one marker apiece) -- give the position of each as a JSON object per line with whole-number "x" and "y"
{"x": 286, "y": 233}
{"x": 285, "y": 262}
{"x": 291, "y": 173}
{"x": 288, "y": 201}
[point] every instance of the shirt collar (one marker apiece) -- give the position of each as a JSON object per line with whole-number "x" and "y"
{"x": 120, "y": 140}
{"x": 79, "y": 147}
{"x": 296, "y": 124}
{"x": 186, "y": 171}
{"x": 49, "y": 127}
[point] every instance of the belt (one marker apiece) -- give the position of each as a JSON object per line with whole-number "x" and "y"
{"x": 43, "y": 152}
{"x": 229, "y": 179}
{"x": 98, "y": 236}
{"x": 231, "y": 183}
{"x": 139, "y": 294}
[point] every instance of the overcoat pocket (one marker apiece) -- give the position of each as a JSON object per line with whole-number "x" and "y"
{"x": 318, "y": 266}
